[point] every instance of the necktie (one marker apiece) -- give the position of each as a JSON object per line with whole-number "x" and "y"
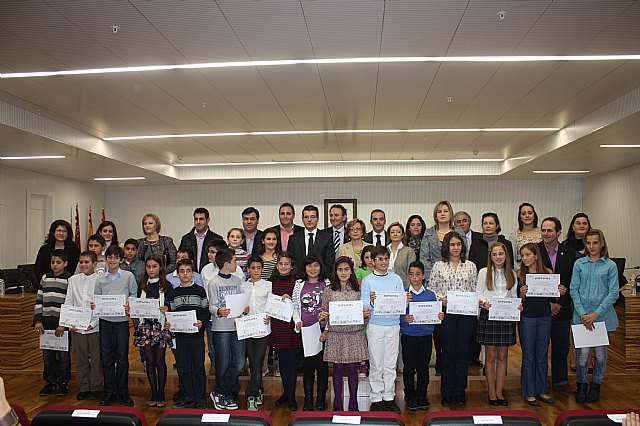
{"x": 310, "y": 245}
{"x": 336, "y": 241}
{"x": 378, "y": 242}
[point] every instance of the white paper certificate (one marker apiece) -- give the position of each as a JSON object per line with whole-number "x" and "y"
{"x": 144, "y": 308}
{"x": 346, "y": 313}
{"x": 109, "y": 306}
{"x": 75, "y": 316}
{"x": 462, "y": 302}
{"x": 543, "y": 285}
{"x": 182, "y": 322}
{"x": 390, "y": 303}
{"x": 506, "y": 309}
{"x": 583, "y": 338}
{"x": 278, "y": 308}
{"x": 311, "y": 339}
{"x": 251, "y": 326}
{"x": 237, "y": 303}
{"x": 48, "y": 340}
{"x": 425, "y": 312}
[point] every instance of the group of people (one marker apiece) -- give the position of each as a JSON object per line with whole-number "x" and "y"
{"x": 312, "y": 268}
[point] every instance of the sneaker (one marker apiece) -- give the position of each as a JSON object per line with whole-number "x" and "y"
{"x": 47, "y": 389}
{"x": 362, "y": 371}
{"x": 277, "y": 373}
{"x": 218, "y": 401}
{"x": 63, "y": 389}
{"x": 392, "y": 406}
{"x": 259, "y": 397}
{"x": 230, "y": 404}
{"x": 184, "y": 403}
{"x": 423, "y": 403}
{"x": 251, "y": 404}
{"x": 413, "y": 404}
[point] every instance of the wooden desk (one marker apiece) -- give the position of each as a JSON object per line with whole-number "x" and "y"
{"x": 19, "y": 344}
{"x": 624, "y": 348}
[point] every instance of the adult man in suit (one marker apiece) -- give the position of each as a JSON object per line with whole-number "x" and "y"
{"x": 337, "y": 231}
{"x": 286, "y": 229}
{"x": 252, "y": 235}
{"x": 198, "y": 239}
{"x": 462, "y": 220}
{"x": 378, "y": 236}
{"x": 311, "y": 240}
{"x": 560, "y": 259}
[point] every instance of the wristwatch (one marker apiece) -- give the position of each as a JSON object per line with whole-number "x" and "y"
{"x": 10, "y": 419}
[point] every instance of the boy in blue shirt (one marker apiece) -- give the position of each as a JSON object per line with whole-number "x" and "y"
{"x": 416, "y": 342}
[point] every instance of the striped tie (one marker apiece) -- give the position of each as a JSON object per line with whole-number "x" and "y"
{"x": 336, "y": 241}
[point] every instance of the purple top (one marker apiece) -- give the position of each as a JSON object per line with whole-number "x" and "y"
{"x": 311, "y": 302}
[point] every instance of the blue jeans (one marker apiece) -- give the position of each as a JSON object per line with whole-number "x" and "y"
{"x": 212, "y": 349}
{"x": 57, "y": 366}
{"x": 534, "y": 338}
{"x": 230, "y": 358}
{"x": 599, "y": 364}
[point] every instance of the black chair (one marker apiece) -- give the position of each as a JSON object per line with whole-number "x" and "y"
{"x": 193, "y": 417}
{"x": 589, "y": 417}
{"x": 11, "y": 279}
{"x": 28, "y": 277}
{"x": 63, "y": 415}
{"x": 463, "y": 418}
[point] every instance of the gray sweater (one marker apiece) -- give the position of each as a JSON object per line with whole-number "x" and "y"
{"x": 122, "y": 282}
{"x": 217, "y": 290}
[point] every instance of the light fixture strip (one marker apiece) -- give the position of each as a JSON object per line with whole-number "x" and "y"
{"x": 119, "y": 178}
{"x": 270, "y": 163}
{"x": 619, "y": 146}
{"x": 362, "y": 60}
{"x": 560, "y": 171}
{"x": 34, "y": 157}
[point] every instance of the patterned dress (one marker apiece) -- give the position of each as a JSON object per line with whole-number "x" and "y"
{"x": 345, "y": 344}
{"x": 151, "y": 331}
{"x": 519, "y": 239}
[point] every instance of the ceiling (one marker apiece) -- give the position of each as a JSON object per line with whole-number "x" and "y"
{"x": 591, "y": 102}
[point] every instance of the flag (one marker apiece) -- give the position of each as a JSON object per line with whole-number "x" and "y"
{"x": 104, "y": 216}
{"x": 90, "y": 221}
{"x": 77, "y": 233}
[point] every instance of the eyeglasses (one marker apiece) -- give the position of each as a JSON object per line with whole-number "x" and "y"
{"x": 381, "y": 259}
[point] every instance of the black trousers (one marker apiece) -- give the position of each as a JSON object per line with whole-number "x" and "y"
{"x": 190, "y": 365}
{"x": 456, "y": 331}
{"x": 416, "y": 353}
{"x": 560, "y": 352}
{"x": 315, "y": 365}
{"x": 114, "y": 345}
{"x": 287, "y": 361}
{"x": 255, "y": 351}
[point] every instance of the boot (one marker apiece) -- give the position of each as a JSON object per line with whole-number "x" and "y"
{"x": 594, "y": 392}
{"x": 308, "y": 393}
{"x": 581, "y": 393}
{"x": 323, "y": 383}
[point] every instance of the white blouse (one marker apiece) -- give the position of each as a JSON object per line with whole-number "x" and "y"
{"x": 499, "y": 286}
{"x": 445, "y": 277}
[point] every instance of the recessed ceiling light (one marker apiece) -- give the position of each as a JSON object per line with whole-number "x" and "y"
{"x": 344, "y": 131}
{"x": 271, "y": 163}
{"x": 619, "y": 146}
{"x": 360, "y": 60}
{"x": 120, "y": 178}
{"x": 34, "y": 157}
{"x": 560, "y": 171}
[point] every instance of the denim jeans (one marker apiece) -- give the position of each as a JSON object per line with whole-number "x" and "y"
{"x": 534, "y": 338}
{"x": 456, "y": 331}
{"x": 230, "y": 358}
{"x": 599, "y": 364}
{"x": 210, "y": 346}
{"x": 57, "y": 366}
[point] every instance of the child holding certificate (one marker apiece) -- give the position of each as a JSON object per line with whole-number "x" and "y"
{"x": 416, "y": 342}
{"x": 86, "y": 343}
{"x": 345, "y": 345}
{"x": 594, "y": 289}
{"x": 498, "y": 280}
{"x": 306, "y": 299}
{"x": 535, "y": 329}
{"x": 150, "y": 334}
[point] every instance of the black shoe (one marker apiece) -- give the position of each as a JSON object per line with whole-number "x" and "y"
{"x": 423, "y": 403}
{"x": 184, "y": 403}
{"x": 126, "y": 400}
{"x": 494, "y": 402}
{"x": 378, "y": 406}
{"x": 93, "y": 395}
{"x": 201, "y": 405}
{"x": 476, "y": 363}
{"x": 308, "y": 404}
{"x": 82, "y": 396}
{"x": 320, "y": 403}
{"x": 392, "y": 406}
{"x": 503, "y": 402}
{"x": 108, "y": 399}
{"x": 293, "y": 405}
{"x": 581, "y": 393}
{"x": 413, "y": 404}
{"x": 47, "y": 389}
{"x": 63, "y": 389}
{"x": 282, "y": 400}
{"x": 446, "y": 401}
{"x": 460, "y": 399}
{"x": 594, "y": 392}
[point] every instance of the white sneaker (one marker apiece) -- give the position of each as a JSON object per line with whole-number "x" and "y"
{"x": 251, "y": 404}
{"x": 277, "y": 373}
{"x": 229, "y": 403}
{"x": 218, "y": 401}
{"x": 259, "y": 397}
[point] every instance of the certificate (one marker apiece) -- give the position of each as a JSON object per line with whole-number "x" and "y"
{"x": 144, "y": 308}
{"x": 425, "y": 312}
{"x": 583, "y": 338}
{"x": 251, "y": 326}
{"x": 462, "y": 303}
{"x": 237, "y": 303}
{"x": 311, "y": 339}
{"x": 109, "y": 306}
{"x": 543, "y": 285}
{"x": 75, "y": 316}
{"x": 278, "y": 308}
{"x": 390, "y": 303}
{"x": 182, "y": 322}
{"x": 48, "y": 340}
{"x": 505, "y": 309}
{"x": 346, "y": 313}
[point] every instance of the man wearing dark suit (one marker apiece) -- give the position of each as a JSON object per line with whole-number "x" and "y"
{"x": 196, "y": 242}
{"x": 337, "y": 231}
{"x": 312, "y": 240}
{"x": 286, "y": 229}
{"x": 252, "y": 235}
{"x": 560, "y": 259}
{"x": 378, "y": 236}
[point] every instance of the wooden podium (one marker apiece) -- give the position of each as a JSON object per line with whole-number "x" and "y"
{"x": 624, "y": 344}
{"x": 20, "y": 346}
